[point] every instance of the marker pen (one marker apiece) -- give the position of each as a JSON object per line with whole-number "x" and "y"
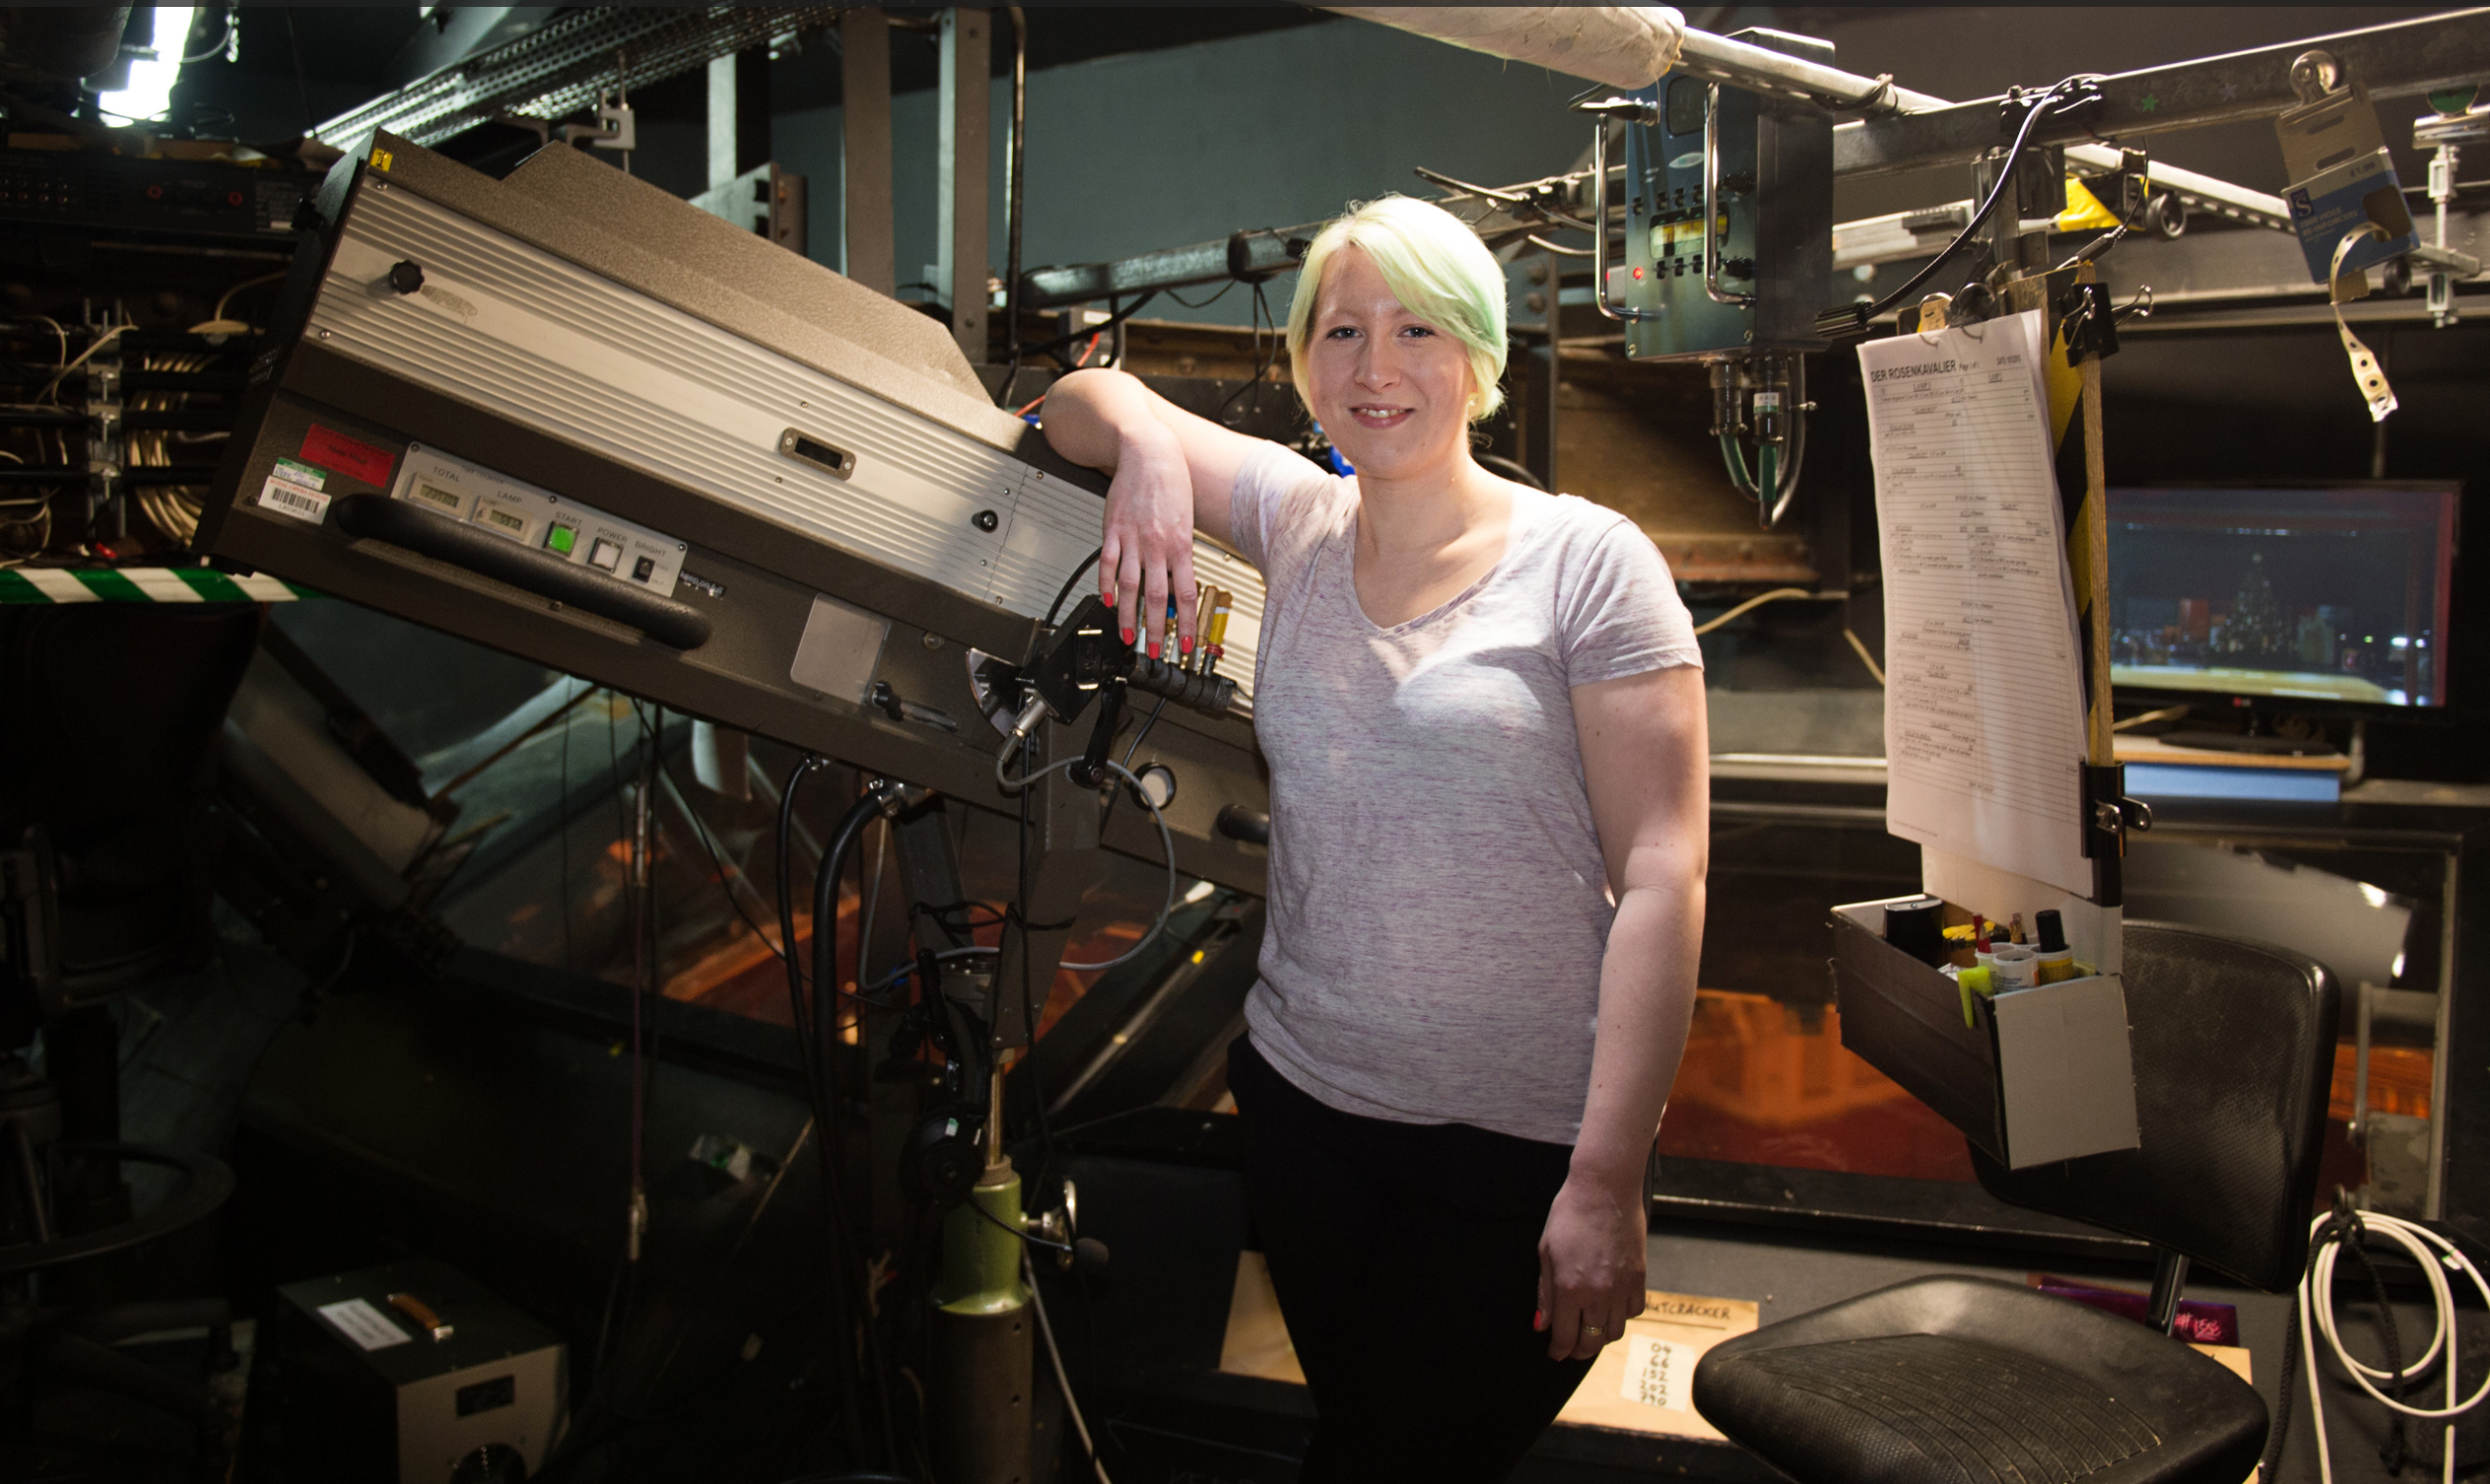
{"x": 2056, "y": 960}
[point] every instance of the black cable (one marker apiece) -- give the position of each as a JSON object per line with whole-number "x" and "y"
{"x": 1115, "y": 796}
{"x": 1997, "y": 193}
{"x": 2343, "y": 1227}
{"x": 1153, "y": 721}
{"x": 700, "y": 829}
{"x": 787, "y": 896}
{"x": 1070, "y": 583}
{"x": 301, "y": 88}
{"x": 569, "y": 954}
{"x": 1262, "y": 365}
{"x": 2392, "y": 1452}
{"x": 1207, "y": 303}
{"x": 1028, "y": 1002}
{"x": 822, "y": 1135}
{"x": 1030, "y": 1238}
{"x": 1047, "y": 347}
{"x": 944, "y": 914}
{"x": 850, "y": 1262}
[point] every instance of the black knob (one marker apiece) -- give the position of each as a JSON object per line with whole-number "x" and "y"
{"x": 406, "y": 277}
{"x": 985, "y": 521}
{"x": 1238, "y": 822}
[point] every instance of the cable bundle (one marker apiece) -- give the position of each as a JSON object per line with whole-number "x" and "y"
{"x": 2330, "y": 1236}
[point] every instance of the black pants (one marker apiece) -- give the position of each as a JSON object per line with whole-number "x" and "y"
{"x": 1406, "y": 1257}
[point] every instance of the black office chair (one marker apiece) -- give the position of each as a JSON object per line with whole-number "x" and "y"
{"x": 1969, "y": 1381}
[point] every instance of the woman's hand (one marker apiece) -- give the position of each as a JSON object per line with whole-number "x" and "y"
{"x": 1591, "y": 1263}
{"x": 1146, "y": 556}
{"x": 1173, "y": 473}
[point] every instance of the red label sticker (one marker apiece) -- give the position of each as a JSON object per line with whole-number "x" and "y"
{"x": 331, "y": 449}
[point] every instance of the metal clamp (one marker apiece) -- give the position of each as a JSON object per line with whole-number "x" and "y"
{"x": 2314, "y": 75}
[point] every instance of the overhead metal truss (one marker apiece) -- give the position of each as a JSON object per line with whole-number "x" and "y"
{"x": 2402, "y": 59}
{"x": 561, "y": 68}
{"x": 1905, "y": 130}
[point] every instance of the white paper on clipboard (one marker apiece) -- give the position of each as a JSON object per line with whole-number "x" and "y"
{"x": 1983, "y": 702}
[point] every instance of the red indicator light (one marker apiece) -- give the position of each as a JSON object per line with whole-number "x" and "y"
{"x": 1638, "y": 272}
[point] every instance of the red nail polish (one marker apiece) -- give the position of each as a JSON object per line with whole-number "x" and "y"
{"x": 1185, "y": 645}
{"x": 1153, "y": 649}
{"x": 1128, "y": 635}
{"x": 1539, "y": 1318}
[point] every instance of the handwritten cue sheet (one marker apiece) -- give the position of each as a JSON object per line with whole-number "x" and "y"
{"x": 1984, "y": 714}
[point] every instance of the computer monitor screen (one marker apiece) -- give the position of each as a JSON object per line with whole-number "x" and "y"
{"x": 2316, "y": 596}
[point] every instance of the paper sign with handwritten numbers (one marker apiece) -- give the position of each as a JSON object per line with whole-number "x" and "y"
{"x": 1641, "y": 1382}
{"x": 1657, "y": 1372}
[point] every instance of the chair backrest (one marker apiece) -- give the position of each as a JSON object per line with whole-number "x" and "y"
{"x": 2233, "y": 1046}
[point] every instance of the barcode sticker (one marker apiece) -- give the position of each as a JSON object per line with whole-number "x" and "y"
{"x": 286, "y": 498}
{"x": 1657, "y": 1372}
{"x": 364, "y": 1326}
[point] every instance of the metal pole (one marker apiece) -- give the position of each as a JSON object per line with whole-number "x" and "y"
{"x": 865, "y": 114}
{"x": 1555, "y": 370}
{"x": 1012, "y": 183}
{"x": 963, "y": 101}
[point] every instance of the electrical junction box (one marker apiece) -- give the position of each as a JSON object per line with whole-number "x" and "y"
{"x": 1771, "y": 218}
{"x": 411, "y": 1373}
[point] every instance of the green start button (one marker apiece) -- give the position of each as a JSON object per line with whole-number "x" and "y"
{"x": 562, "y": 538}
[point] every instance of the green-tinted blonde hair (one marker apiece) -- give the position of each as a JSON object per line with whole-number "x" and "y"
{"x": 1435, "y": 265}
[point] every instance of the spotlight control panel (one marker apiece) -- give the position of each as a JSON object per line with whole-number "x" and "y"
{"x": 1728, "y": 219}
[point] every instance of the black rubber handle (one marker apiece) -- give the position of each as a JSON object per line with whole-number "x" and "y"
{"x": 1238, "y": 822}
{"x": 399, "y": 523}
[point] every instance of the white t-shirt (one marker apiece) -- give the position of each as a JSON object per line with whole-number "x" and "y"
{"x": 1438, "y": 905}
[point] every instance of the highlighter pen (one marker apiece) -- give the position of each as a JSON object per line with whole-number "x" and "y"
{"x": 1969, "y": 982}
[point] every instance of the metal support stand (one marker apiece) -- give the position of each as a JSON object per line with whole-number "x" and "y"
{"x": 983, "y": 1356}
{"x": 980, "y": 1332}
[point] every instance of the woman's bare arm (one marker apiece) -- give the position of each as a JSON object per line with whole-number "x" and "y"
{"x": 1644, "y": 750}
{"x": 1173, "y": 473}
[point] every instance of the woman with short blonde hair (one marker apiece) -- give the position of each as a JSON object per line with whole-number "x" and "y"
{"x": 1482, "y": 707}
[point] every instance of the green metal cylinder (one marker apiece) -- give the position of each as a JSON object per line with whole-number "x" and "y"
{"x": 981, "y": 1271}
{"x": 982, "y": 1344}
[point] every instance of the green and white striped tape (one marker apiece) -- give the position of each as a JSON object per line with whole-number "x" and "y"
{"x": 142, "y": 584}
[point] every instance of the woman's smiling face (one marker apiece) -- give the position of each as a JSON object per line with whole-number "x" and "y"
{"x": 1391, "y": 390}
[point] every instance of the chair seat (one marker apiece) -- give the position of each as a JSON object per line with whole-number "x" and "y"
{"x": 1968, "y": 1381}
